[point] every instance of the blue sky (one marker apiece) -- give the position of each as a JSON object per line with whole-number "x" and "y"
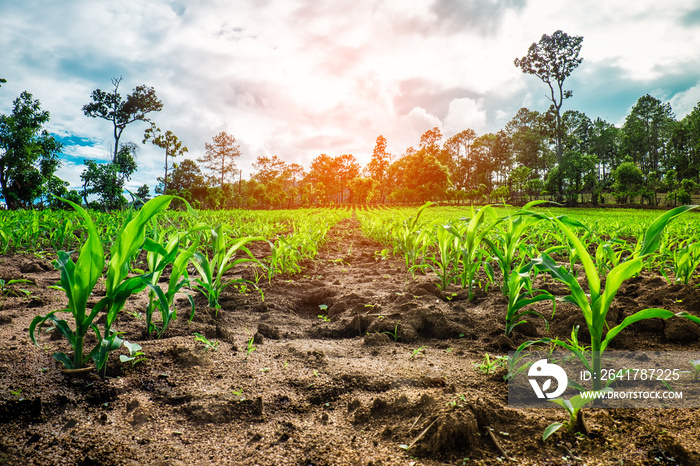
{"x": 297, "y": 78}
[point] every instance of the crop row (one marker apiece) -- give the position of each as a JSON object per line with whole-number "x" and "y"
{"x": 44, "y": 231}
{"x": 592, "y": 261}
{"x": 205, "y": 241}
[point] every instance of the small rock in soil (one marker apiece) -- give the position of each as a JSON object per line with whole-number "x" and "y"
{"x": 269, "y": 331}
{"x": 377, "y": 339}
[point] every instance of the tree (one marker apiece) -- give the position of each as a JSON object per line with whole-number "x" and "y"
{"x": 362, "y": 189}
{"x": 378, "y": 166}
{"x": 28, "y": 153}
{"x": 168, "y": 141}
{"x": 552, "y": 60}
{"x": 419, "y": 177}
{"x": 686, "y": 145}
{"x": 605, "y": 145}
{"x": 121, "y": 112}
{"x": 647, "y": 133}
{"x": 323, "y": 171}
{"x": 628, "y": 181}
{"x": 2, "y": 81}
{"x": 144, "y": 192}
{"x": 104, "y": 180}
{"x": 459, "y": 149}
{"x": 528, "y": 133}
{"x": 347, "y": 168}
{"x": 220, "y": 156}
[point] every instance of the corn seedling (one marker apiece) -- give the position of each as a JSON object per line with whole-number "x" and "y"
{"x": 211, "y": 271}
{"x": 684, "y": 261}
{"x": 695, "y": 363}
{"x": 78, "y": 280}
{"x": 573, "y": 407}
{"x": 395, "y": 334}
{"x": 249, "y": 348}
{"x": 508, "y": 239}
{"x": 208, "y": 344}
{"x": 444, "y": 267}
{"x": 520, "y": 295}
{"x": 412, "y": 241}
{"x": 135, "y": 354}
{"x": 418, "y": 352}
{"x": 470, "y": 247}
{"x": 6, "y": 288}
{"x": 491, "y": 364}
{"x": 158, "y": 257}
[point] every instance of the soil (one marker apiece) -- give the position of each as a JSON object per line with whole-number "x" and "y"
{"x": 392, "y": 364}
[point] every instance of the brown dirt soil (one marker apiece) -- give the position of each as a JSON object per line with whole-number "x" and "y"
{"x": 322, "y": 393}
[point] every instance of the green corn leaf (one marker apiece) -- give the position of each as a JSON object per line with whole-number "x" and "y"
{"x": 64, "y": 359}
{"x": 613, "y": 283}
{"x": 585, "y": 258}
{"x": 690, "y": 317}
{"x": 129, "y": 240}
{"x": 653, "y": 235}
{"x": 88, "y": 268}
{"x": 629, "y": 320}
{"x": 551, "y": 429}
{"x": 578, "y": 296}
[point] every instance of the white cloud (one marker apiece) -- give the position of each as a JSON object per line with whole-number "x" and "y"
{"x": 684, "y": 102}
{"x": 463, "y": 114}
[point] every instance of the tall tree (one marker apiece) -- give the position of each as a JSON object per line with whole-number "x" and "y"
{"x": 460, "y": 150}
{"x": 552, "y": 60}
{"x": 647, "y": 132}
{"x": 220, "y": 156}
{"x": 528, "y": 132}
{"x": 378, "y": 166}
{"x": 121, "y": 112}
{"x": 686, "y": 144}
{"x": 347, "y": 168}
{"x": 28, "y": 153}
{"x": 169, "y": 142}
{"x": 419, "y": 177}
{"x": 605, "y": 144}
{"x": 323, "y": 171}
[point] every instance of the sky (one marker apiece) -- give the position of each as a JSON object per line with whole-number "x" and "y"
{"x": 298, "y": 78}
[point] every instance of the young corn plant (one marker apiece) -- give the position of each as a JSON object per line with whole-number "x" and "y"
{"x": 684, "y": 260}
{"x": 157, "y": 258}
{"x": 507, "y": 245}
{"x": 411, "y": 240}
{"x": 445, "y": 267}
{"x": 607, "y": 257}
{"x": 472, "y": 235}
{"x": 6, "y": 288}
{"x": 573, "y": 408}
{"x": 211, "y": 271}
{"x": 78, "y": 280}
{"x": 596, "y": 304}
{"x": 521, "y": 295}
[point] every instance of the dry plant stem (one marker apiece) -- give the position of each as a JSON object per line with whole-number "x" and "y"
{"x": 420, "y": 436}
{"x": 582, "y": 425}
{"x": 501, "y": 451}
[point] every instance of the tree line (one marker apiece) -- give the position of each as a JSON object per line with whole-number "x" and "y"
{"x": 652, "y": 158}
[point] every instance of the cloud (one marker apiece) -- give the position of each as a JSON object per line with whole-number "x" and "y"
{"x": 298, "y": 78}
{"x": 464, "y": 114}
{"x": 684, "y": 102}
{"x": 456, "y": 15}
